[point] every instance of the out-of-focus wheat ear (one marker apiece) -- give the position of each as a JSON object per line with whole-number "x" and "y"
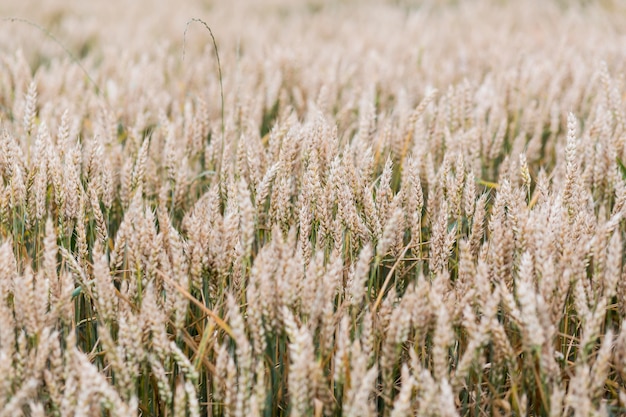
{"x": 7, "y": 350}
{"x": 107, "y": 185}
{"x": 527, "y": 297}
{"x": 456, "y": 187}
{"x": 150, "y": 243}
{"x": 384, "y": 193}
{"x": 243, "y": 351}
{"x": 332, "y": 284}
{"x": 259, "y": 394}
{"x": 471, "y": 356}
{"x": 36, "y": 409}
{"x": 602, "y": 365}
{"x": 420, "y": 308}
{"x": 30, "y": 108}
{"x": 369, "y": 343}
{"x": 549, "y": 356}
{"x": 256, "y": 161}
{"x": 20, "y": 357}
{"x": 414, "y": 203}
{"x": 200, "y": 126}
{"x": 409, "y": 129}
{"x": 93, "y": 160}
{"x": 103, "y": 288}
{"x": 369, "y": 210}
{"x": 307, "y": 202}
{"x": 90, "y": 377}
{"x": 619, "y": 205}
{"x": 542, "y": 189}
{"x": 385, "y": 138}
{"x": 592, "y": 326}
{"x": 63, "y": 134}
{"x": 325, "y": 231}
{"x": 262, "y": 286}
{"x": 447, "y": 405}
{"x": 402, "y": 405}
{"x": 40, "y": 186}
{"x": 139, "y": 169}
{"x": 443, "y": 338}
{"x": 230, "y": 239}
{"x": 180, "y": 403}
{"x": 5, "y": 197}
{"x": 570, "y": 189}
{"x": 395, "y": 334}
{"x": 69, "y": 376}
{"x": 27, "y": 390}
{"x": 386, "y": 309}
{"x": 192, "y": 399}
{"x": 556, "y": 401}
{"x": 464, "y": 284}
{"x": 578, "y": 400}
{"x": 495, "y": 148}
{"x": 367, "y": 118}
{"x": 221, "y": 384}
{"x": 358, "y": 277}
{"x": 25, "y": 301}
{"x": 72, "y": 182}
{"x": 17, "y": 197}
{"x": 388, "y": 238}
{"x": 612, "y": 96}
{"x": 131, "y": 330}
{"x": 501, "y": 243}
{"x": 41, "y": 297}
{"x": 323, "y": 399}
{"x": 478, "y": 225}
{"x": 426, "y": 385}
{"x": 312, "y": 293}
{"x": 613, "y": 270}
{"x": 619, "y": 353}
{"x": 341, "y": 356}
{"x": 470, "y": 195}
{"x": 301, "y": 359}
{"x": 64, "y": 303}
{"x": 439, "y": 253}
{"x": 503, "y": 352}
{"x": 280, "y": 204}
{"x": 434, "y": 185}
{"x": 263, "y": 188}
{"x": 621, "y": 293}
{"x": 180, "y": 358}
{"x": 182, "y": 183}
{"x": 50, "y": 255}
{"x": 81, "y": 233}
{"x": 98, "y": 217}
{"x": 524, "y": 173}
{"x": 358, "y": 401}
{"x": 509, "y": 304}
{"x": 117, "y": 256}
{"x": 580, "y": 300}
{"x": 348, "y": 212}
{"x": 52, "y": 376}
{"x": 125, "y": 182}
{"x": 254, "y": 319}
{"x": 169, "y": 151}
{"x": 120, "y": 368}
{"x": 291, "y": 291}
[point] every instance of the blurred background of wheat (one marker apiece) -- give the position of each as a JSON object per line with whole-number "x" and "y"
{"x": 400, "y": 208}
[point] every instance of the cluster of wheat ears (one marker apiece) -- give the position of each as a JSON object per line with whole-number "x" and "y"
{"x": 370, "y": 209}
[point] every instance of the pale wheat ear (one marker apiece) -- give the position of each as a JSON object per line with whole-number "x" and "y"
{"x": 58, "y": 42}
{"x": 219, "y": 73}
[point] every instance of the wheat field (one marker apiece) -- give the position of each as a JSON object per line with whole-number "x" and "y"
{"x": 320, "y": 208}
